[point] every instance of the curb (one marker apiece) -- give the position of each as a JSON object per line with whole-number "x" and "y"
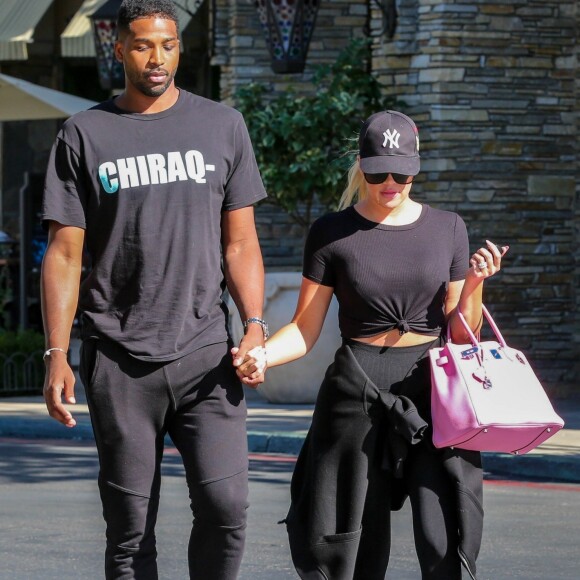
{"x": 258, "y": 441}
{"x": 288, "y": 443}
{"x": 560, "y": 468}
{"x": 37, "y": 429}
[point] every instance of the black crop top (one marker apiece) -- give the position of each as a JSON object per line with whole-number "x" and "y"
{"x": 388, "y": 276}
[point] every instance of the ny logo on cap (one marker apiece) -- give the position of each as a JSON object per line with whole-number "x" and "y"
{"x": 392, "y": 137}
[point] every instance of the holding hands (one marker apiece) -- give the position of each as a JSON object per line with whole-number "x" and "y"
{"x": 252, "y": 368}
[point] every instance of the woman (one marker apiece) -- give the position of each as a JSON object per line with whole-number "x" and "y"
{"x": 401, "y": 271}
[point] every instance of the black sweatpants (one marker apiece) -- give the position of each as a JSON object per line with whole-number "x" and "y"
{"x": 199, "y": 402}
{"x": 406, "y": 371}
{"x": 339, "y": 520}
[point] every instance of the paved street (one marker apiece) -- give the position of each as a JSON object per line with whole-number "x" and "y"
{"x": 51, "y": 527}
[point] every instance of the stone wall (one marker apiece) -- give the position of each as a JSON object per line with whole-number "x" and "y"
{"x": 493, "y": 88}
{"x": 241, "y": 53}
{"x": 281, "y": 240}
{"x": 576, "y": 166}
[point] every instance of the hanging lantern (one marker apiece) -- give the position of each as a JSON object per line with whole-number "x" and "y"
{"x": 288, "y": 26}
{"x": 389, "y": 16}
{"x": 111, "y": 73}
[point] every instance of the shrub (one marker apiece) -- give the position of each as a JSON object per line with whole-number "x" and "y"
{"x": 302, "y": 142}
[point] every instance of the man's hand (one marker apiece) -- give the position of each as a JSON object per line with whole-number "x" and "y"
{"x": 249, "y": 358}
{"x": 59, "y": 291}
{"x": 244, "y": 273}
{"x": 59, "y": 381}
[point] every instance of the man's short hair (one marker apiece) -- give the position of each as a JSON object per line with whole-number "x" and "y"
{"x": 131, "y": 10}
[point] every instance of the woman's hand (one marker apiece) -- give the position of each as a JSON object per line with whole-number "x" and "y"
{"x": 251, "y": 370}
{"x": 486, "y": 261}
{"x": 466, "y": 296}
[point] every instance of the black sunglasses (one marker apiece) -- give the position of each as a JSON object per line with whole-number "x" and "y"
{"x": 376, "y": 178}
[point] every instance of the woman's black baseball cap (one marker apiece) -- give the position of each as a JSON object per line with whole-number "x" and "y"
{"x": 389, "y": 143}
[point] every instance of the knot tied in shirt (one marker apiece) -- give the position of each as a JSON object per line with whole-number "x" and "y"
{"x": 403, "y": 326}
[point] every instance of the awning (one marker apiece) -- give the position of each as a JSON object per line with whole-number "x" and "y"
{"x": 18, "y": 19}
{"x": 77, "y": 39}
{"x": 24, "y": 101}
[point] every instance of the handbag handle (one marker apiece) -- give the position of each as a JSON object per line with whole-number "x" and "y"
{"x": 491, "y": 322}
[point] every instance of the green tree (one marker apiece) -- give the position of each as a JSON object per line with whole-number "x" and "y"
{"x": 304, "y": 144}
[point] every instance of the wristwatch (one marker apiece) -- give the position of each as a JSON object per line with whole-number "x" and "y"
{"x": 259, "y": 321}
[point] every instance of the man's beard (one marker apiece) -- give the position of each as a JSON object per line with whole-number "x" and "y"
{"x": 151, "y": 91}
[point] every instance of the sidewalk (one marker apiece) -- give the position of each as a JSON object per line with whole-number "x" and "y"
{"x": 282, "y": 428}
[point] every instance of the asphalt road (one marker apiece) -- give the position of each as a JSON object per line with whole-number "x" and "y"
{"x": 51, "y": 527}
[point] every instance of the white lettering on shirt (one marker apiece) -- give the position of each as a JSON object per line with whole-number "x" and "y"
{"x": 175, "y": 167}
{"x": 156, "y": 163}
{"x": 128, "y": 175}
{"x": 143, "y": 170}
{"x": 153, "y": 169}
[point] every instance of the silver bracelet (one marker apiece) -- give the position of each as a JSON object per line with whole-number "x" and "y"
{"x": 259, "y": 321}
{"x": 47, "y": 352}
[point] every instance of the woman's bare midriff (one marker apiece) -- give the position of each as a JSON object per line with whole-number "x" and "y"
{"x": 393, "y": 338}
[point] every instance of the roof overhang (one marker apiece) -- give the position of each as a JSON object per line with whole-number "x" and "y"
{"x": 18, "y": 19}
{"x": 21, "y": 100}
{"x": 77, "y": 40}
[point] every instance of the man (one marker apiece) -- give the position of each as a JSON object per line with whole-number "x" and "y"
{"x": 158, "y": 185}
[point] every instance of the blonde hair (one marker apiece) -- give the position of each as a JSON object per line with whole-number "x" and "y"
{"x": 356, "y": 187}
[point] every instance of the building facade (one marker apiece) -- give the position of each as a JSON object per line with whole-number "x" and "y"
{"x": 493, "y": 86}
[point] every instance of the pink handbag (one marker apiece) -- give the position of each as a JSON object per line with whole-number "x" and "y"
{"x": 486, "y": 397}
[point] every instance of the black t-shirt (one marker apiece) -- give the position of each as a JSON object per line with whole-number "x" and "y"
{"x": 149, "y": 189}
{"x": 388, "y": 276}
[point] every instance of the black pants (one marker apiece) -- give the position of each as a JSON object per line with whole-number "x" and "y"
{"x": 339, "y": 520}
{"x": 199, "y": 402}
{"x": 406, "y": 371}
